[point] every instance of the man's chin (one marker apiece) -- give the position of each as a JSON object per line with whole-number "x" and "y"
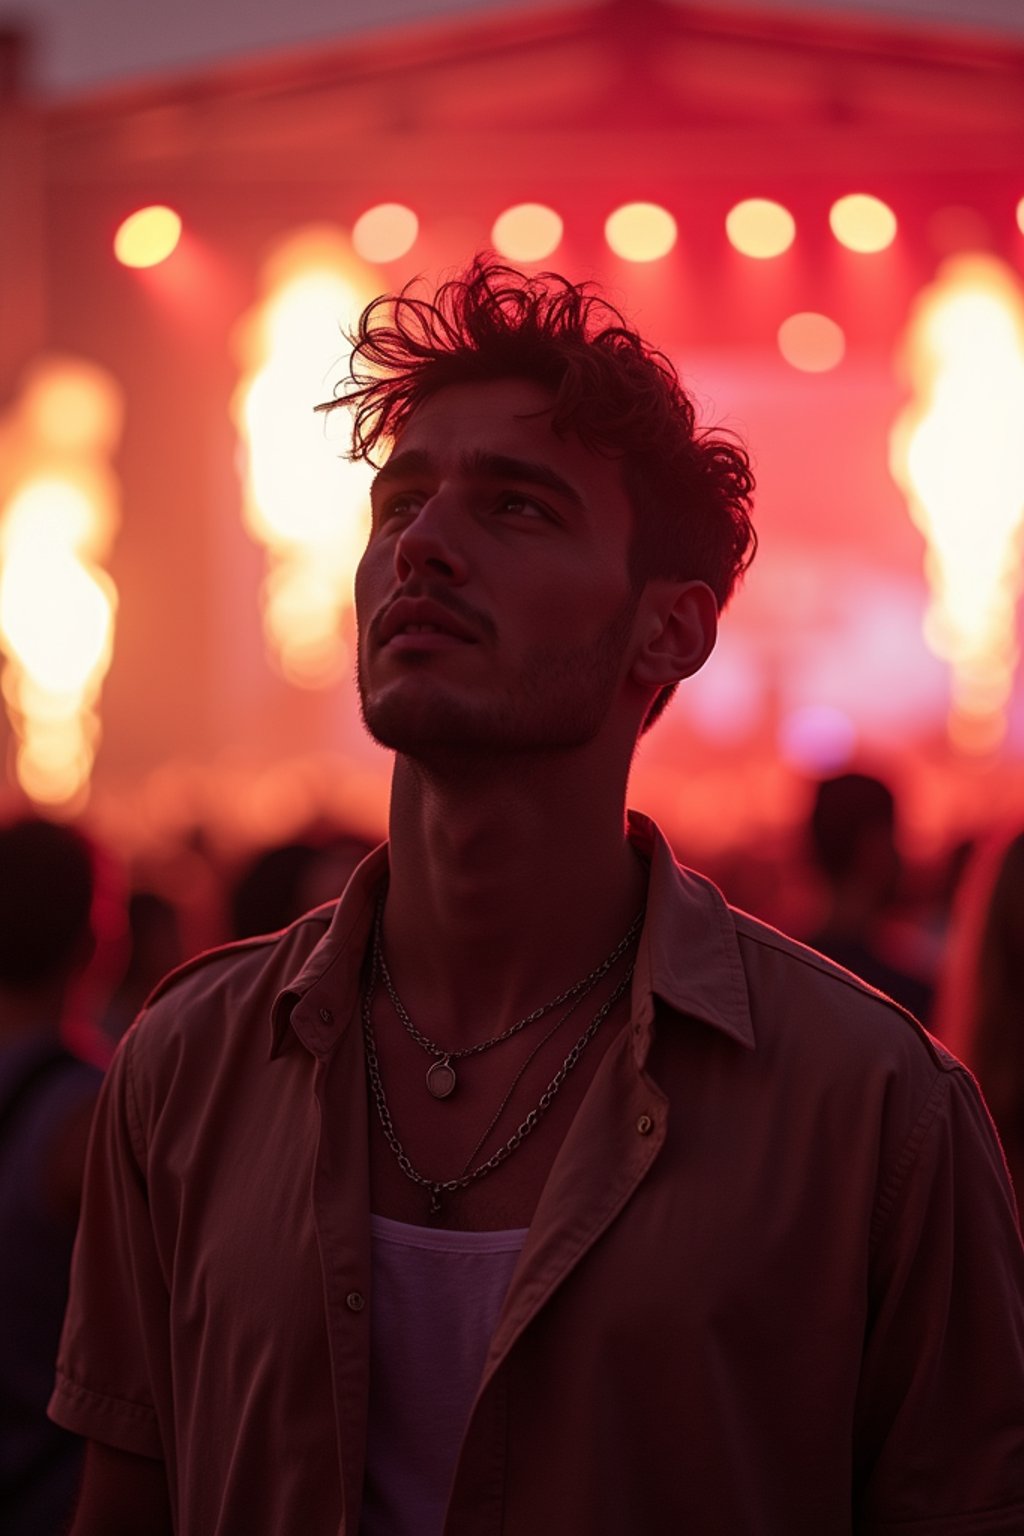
{"x": 411, "y": 727}
{"x": 433, "y": 737}
{"x": 446, "y": 737}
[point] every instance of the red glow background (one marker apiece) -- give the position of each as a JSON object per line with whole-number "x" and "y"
{"x": 821, "y": 661}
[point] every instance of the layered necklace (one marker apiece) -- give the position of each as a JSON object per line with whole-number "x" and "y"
{"x": 441, "y": 1079}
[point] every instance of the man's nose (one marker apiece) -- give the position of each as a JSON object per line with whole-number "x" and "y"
{"x": 430, "y": 543}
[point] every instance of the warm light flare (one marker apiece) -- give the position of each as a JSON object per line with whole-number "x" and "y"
{"x": 148, "y": 237}
{"x": 527, "y": 232}
{"x": 957, "y": 452}
{"x": 385, "y": 232}
{"x": 811, "y": 342}
{"x": 641, "y": 231}
{"x": 862, "y": 223}
{"x": 57, "y": 603}
{"x": 306, "y": 504}
{"x": 55, "y": 615}
{"x": 760, "y": 228}
{"x": 76, "y": 413}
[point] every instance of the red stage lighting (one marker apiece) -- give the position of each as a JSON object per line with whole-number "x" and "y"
{"x": 385, "y": 232}
{"x": 862, "y": 223}
{"x": 760, "y": 228}
{"x": 811, "y": 342}
{"x": 527, "y": 232}
{"x": 640, "y": 231}
{"x": 148, "y": 236}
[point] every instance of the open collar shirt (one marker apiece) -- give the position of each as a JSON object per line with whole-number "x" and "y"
{"x": 773, "y": 1285}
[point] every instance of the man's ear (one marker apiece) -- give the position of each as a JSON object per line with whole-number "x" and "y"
{"x": 677, "y": 633}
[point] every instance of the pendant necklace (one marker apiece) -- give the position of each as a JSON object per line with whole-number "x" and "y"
{"x": 441, "y": 1077}
{"x": 438, "y": 1188}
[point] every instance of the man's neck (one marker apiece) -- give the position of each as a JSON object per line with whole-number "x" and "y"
{"x": 505, "y": 889}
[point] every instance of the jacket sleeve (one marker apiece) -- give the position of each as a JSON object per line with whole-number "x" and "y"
{"x": 940, "y": 1433}
{"x": 113, "y": 1353}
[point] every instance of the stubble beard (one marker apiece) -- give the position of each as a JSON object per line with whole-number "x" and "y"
{"x": 558, "y": 702}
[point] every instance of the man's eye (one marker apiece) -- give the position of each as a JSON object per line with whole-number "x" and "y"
{"x": 399, "y": 506}
{"x": 522, "y": 506}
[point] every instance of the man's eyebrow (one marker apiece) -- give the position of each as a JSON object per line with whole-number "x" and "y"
{"x": 501, "y": 466}
{"x": 482, "y": 465}
{"x": 414, "y": 461}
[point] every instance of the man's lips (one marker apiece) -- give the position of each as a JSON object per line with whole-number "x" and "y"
{"x": 420, "y": 620}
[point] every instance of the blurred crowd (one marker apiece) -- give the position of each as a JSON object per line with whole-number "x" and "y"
{"x": 83, "y": 941}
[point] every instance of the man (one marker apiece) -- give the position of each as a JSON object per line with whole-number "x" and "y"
{"x": 852, "y": 836}
{"x": 47, "y": 1095}
{"x": 531, "y": 1189}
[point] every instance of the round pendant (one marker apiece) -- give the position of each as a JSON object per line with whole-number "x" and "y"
{"x": 441, "y": 1079}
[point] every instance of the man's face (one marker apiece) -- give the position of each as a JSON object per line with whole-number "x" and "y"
{"x": 493, "y": 599}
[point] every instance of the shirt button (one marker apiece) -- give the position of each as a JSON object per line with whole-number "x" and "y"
{"x": 326, "y": 1015}
{"x": 355, "y": 1301}
{"x": 645, "y": 1125}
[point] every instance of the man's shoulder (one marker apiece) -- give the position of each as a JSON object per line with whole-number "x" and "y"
{"x": 233, "y": 981}
{"x": 793, "y": 989}
{"x": 798, "y": 1012}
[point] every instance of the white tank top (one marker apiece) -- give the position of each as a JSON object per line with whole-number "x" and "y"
{"x": 435, "y": 1300}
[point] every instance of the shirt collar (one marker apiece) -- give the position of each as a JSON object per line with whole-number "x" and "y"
{"x": 340, "y": 952}
{"x": 689, "y": 953}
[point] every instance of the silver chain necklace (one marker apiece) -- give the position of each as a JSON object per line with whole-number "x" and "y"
{"x": 439, "y": 1187}
{"x": 441, "y": 1077}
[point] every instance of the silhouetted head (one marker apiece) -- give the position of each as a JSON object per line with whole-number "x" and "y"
{"x": 268, "y": 893}
{"x": 47, "y": 880}
{"x": 853, "y": 829}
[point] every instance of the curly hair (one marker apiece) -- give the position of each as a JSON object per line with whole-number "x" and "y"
{"x": 690, "y": 488}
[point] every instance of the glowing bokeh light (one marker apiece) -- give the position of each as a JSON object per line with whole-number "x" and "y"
{"x": 641, "y": 231}
{"x": 862, "y": 223}
{"x": 760, "y": 228}
{"x": 816, "y": 738}
{"x": 305, "y": 504}
{"x": 811, "y": 342}
{"x": 1020, "y": 215}
{"x": 957, "y": 453}
{"x": 386, "y": 232}
{"x": 57, "y": 603}
{"x": 527, "y": 232}
{"x": 148, "y": 237}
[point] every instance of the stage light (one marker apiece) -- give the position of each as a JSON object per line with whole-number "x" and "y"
{"x": 957, "y": 453}
{"x": 147, "y": 237}
{"x": 304, "y": 502}
{"x": 57, "y": 603}
{"x": 386, "y": 232}
{"x": 73, "y": 410}
{"x": 640, "y": 231}
{"x": 527, "y": 232}
{"x": 55, "y": 612}
{"x": 811, "y": 342}
{"x": 1020, "y": 215}
{"x": 862, "y": 223}
{"x": 760, "y": 228}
